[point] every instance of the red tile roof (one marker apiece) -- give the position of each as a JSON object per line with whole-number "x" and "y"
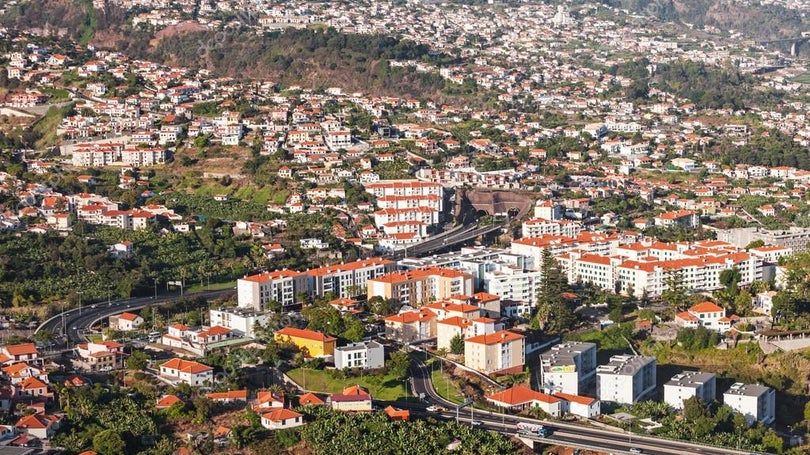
{"x": 229, "y": 395}
{"x": 305, "y": 334}
{"x": 495, "y": 338}
{"x": 519, "y": 395}
{"x": 186, "y": 366}
{"x": 279, "y": 414}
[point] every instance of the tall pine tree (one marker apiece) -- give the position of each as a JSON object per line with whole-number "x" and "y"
{"x": 555, "y": 313}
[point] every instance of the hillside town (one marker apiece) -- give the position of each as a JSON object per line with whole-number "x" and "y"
{"x": 593, "y": 225}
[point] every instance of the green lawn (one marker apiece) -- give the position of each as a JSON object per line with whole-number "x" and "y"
{"x": 445, "y": 387}
{"x": 213, "y": 286}
{"x": 380, "y": 387}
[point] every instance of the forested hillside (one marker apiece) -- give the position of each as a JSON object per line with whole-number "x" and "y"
{"x": 754, "y": 20}
{"x": 310, "y": 57}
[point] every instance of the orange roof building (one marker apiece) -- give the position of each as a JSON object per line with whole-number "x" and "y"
{"x": 187, "y": 371}
{"x": 309, "y": 342}
{"x": 521, "y": 397}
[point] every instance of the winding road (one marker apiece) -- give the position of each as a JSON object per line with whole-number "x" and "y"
{"x": 79, "y": 320}
{"x": 564, "y": 434}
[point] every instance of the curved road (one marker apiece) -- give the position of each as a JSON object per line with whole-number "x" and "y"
{"x": 78, "y": 320}
{"x": 564, "y": 434}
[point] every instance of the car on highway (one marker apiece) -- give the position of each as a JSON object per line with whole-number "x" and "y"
{"x": 636, "y": 450}
{"x": 476, "y": 423}
{"x": 435, "y": 408}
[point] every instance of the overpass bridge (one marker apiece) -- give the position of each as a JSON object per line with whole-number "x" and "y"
{"x": 795, "y": 43}
{"x": 457, "y": 235}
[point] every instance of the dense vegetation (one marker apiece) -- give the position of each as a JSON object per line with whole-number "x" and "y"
{"x": 319, "y": 58}
{"x": 704, "y": 85}
{"x": 708, "y": 423}
{"x": 334, "y": 433}
{"x": 768, "y": 148}
{"x": 753, "y": 19}
{"x": 36, "y": 268}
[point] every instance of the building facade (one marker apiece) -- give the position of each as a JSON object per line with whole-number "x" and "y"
{"x": 626, "y": 379}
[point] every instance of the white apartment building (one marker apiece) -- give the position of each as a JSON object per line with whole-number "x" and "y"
{"x": 540, "y": 226}
{"x": 404, "y": 188}
{"x": 568, "y": 367}
{"x": 755, "y": 402}
{"x": 349, "y": 279}
{"x": 392, "y": 201}
{"x": 700, "y": 273}
{"x": 241, "y": 321}
{"x": 512, "y": 283}
{"x": 425, "y": 215}
{"x": 282, "y": 286}
{"x": 548, "y": 210}
{"x": 365, "y": 355}
{"x": 626, "y": 379}
{"x": 690, "y": 384}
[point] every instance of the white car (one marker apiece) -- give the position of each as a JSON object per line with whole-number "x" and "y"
{"x": 476, "y": 423}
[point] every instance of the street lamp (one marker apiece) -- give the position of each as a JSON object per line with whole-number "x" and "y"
{"x": 80, "y": 301}
{"x": 109, "y": 295}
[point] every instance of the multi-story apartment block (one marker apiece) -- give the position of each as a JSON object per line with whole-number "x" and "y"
{"x": 286, "y": 287}
{"x": 540, "y": 226}
{"x": 690, "y": 384}
{"x": 500, "y": 352}
{"x": 449, "y": 328}
{"x": 626, "y": 379}
{"x": 404, "y": 188}
{"x": 568, "y": 367}
{"x": 755, "y": 402}
{"x": 416, "y": 287}
{"x": 350, "y": 279}
{"x": 410, "y": 326}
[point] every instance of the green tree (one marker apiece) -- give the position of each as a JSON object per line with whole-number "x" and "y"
{"x": 675, "y": 295}
{"x": 399, "y": 363}
{"x": 554, "y": 313}
{"x": 355, "y": 329}
{"x": 137, "y": 361}
{"x": 457, "y": 345}
{"x": 772, "y": 442}
{"x": 758, "y": 243}
{"x": 108, "y": 442}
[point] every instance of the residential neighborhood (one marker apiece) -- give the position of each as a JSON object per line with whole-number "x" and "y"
{"x": 377, "y": 227}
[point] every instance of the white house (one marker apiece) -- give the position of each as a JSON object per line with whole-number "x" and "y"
{"x": 365, "y": 355}
{"x": 520, "y": 397}
{"x": 585, "y": 407}
{"x": 241, "y": 321}
{"x": 125, "y": 322}
{"x": 282, "y": 418}
{"x": 706, "y": 314}
{"x": 187, "y": 371}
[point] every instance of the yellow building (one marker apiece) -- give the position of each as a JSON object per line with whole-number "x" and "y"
{"x": 310, "y": 342}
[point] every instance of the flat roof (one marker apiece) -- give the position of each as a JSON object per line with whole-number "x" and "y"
{"x": 625, "y": 365}
{"x": 690, "y": 379}
{"x": 750, "y": 390}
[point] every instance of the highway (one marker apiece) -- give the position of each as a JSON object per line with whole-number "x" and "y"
{"x": 564, "y": 434}
{"x": 78, "y": 320}
{"x": 458, "y": 234}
